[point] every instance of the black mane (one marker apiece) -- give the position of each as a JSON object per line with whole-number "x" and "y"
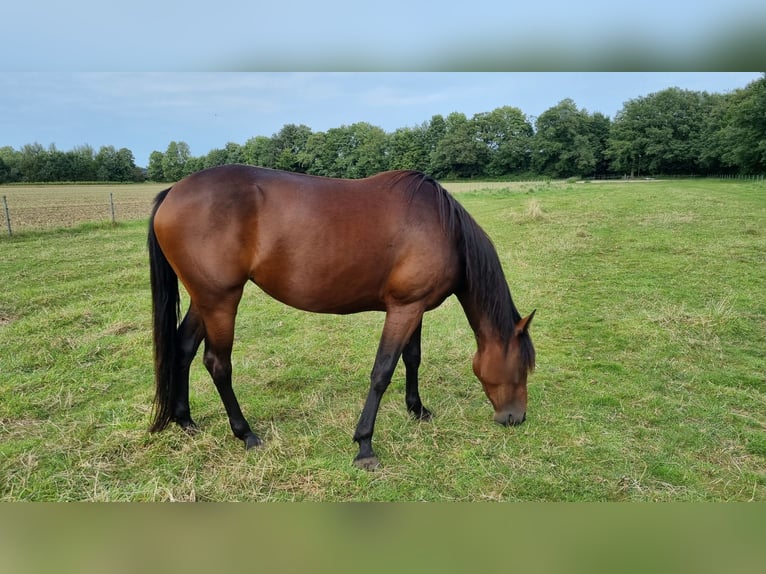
{"x": 484, "y": 278}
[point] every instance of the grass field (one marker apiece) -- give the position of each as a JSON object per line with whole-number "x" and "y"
{"x": 651, "y": 381}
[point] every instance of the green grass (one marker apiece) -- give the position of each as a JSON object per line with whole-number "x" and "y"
{"x": 650, "y": 334}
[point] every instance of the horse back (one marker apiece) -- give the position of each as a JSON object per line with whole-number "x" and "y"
{"x": 318, "y": 244}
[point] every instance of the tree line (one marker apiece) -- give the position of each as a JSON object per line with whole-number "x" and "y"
{"x": 671, "y": 132}
{"x": 35, "y": 163}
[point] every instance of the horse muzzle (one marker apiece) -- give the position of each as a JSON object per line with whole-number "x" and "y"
{"x": 510, "y": 417}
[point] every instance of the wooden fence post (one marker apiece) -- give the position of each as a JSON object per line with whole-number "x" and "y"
{"x": 7, "y": 216}
{"x": 111, "y": 204}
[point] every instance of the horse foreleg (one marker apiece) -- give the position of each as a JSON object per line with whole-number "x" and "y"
{"x": 398, "y": 329}
{"x": 411, "y": 359}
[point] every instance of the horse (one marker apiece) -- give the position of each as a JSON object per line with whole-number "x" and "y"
{"x": 395, "y": 242}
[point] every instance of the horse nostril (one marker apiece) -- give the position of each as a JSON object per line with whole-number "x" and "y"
{"x": 509, "y": 419}
{"x": 512, "y": 421}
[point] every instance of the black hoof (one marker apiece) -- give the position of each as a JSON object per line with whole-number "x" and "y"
{"x": 252, "y": 440}
{"x": 189, "y": 426}
{"x": 368, "y": 463}
{"x": 421, "y": 413}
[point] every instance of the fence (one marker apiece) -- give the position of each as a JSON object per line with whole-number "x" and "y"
{"x": 758, "y": 178}
{"x": 737, "y": 177}
{"x": 27, "y": 208}
{"x": 35, "y": 207}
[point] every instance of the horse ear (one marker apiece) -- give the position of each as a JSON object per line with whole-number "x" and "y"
{"x": 523, "y": 325}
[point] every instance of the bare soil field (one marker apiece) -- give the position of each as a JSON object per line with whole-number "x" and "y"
{"x": 52, "y": 206}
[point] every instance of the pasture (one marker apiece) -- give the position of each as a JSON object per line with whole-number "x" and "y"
{"x": 650, "y": 383}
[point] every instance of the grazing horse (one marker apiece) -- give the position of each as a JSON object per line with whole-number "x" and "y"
{"x": 396, "y": 242}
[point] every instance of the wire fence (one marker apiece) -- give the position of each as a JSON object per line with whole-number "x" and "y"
{"x": 41, "y": 207}
{"x": 31, "y": 208}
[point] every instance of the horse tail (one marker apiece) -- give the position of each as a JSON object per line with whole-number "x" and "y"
{"x": 165, "y": 316}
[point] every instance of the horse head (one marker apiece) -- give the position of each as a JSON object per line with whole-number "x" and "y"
{"x": 503, "y": 370}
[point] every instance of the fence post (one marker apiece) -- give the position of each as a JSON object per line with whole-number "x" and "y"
{"x": 111, "y": 205}
{"x": 7, "y": 216}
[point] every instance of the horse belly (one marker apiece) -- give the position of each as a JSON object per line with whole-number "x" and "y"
{"x": 359, "y": 278}
{"x": 321, "y": 282}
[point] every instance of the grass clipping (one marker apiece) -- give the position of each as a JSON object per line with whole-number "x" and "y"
{"x": 533, "y": 213}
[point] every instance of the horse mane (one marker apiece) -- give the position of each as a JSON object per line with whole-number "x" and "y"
{"x": 484, "y": 278}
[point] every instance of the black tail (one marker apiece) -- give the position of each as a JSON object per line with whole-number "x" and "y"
{"x": 165, "y": 316}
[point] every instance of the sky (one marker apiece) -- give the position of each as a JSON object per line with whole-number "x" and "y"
{"x": 142, "y": 74}
{"x": 145, "y": 111}
{"x": 239, "y": 35}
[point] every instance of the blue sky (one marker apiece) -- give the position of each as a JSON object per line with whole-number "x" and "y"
{"x": 143, "y": 73}
{"x": 144, "y": 111}
{"x": 190, "y": 35}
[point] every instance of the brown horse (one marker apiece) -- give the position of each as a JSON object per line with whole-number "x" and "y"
{"x": 396, "y": 242}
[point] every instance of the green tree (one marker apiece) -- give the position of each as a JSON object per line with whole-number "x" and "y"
{"x": 713, "y": 140}
{"x": 288, "y": 146}
{"x": 317, "y": 158}
{"x": 600, "y": 127}
{"x": 414, "y": 147}
{"x": 354, "y": 151}
{"x": 507, "y": 133}
{"x": 232, "y": 153}
{"x": 408, "y": 148}
{"x": 32, "y": 162}
{"x": 259, "y": 151}
{"x": 11, "y": 160}
{"x": 744, "y": 135}
{"x": 371, "y": 151}
{"x": 436, "y": 128}
{"x": 57, "y": 166}
{"x": 83, "y": 163}
{"x": 565, "y": 144}
{"x": 660, "y": 133}
{"x": 5, "y": 171}
{"x": 154, "y": 171}
{"x": 127, "y": 169}
{"x": 459, "y": 152}
{"x": 115, "y": 165}
{"x": 214, "y": 158}
{"x": 175, "y": 160}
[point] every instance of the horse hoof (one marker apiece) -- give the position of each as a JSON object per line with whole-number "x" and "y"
{"x": 368, "y": 463}
{"x": 252, "y": 441}
{"x": 424, "y": 415}
{"x": 421, "y": 414}
{"x": 189, "y": 427}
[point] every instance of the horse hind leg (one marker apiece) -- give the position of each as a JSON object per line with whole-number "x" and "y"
{"x": 219, "y": 339}
{"x": 190, "y": 335}
{"x": 411, "y": 358}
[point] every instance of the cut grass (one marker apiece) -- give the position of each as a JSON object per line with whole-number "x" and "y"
{"x": 650, "y": 384}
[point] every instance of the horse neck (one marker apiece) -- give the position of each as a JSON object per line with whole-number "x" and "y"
{"x": 484, "y": 325}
